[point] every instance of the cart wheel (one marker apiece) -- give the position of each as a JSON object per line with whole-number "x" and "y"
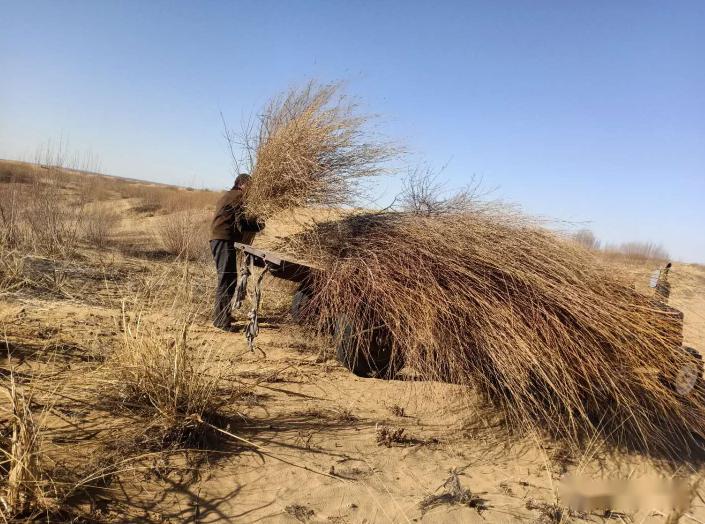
{"x": 691, "y": 373}
{"x": 375, "y": 361}
{"x": 298, "y": 305}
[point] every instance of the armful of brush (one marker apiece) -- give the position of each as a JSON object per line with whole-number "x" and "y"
{"x": 253, "y": 225}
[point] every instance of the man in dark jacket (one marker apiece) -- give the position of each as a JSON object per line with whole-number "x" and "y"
{"x": 229, "y": 225}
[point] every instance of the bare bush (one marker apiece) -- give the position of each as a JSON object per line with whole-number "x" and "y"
{"x": 639, "y": 250}
{"x": 12, "y": 270}
{"x": 422, "y": 194}
{"x": 97, "y": 188}
{"x": 11, "y": 205}
{"x": 52, "y": 206}
{"x": 24, "y": 485}
{"x": 99, "y": 222}
{"x": 153, "y": 198}
{"x": 155, "y": 373}
{"x": 53, "y": 209}
{"x": 44, "y": 212}
{"x": 310, "y": 149}
{"x": 587, "y": 239}
{"x": 184, "y": 234}
{"x": 54, "y": 221}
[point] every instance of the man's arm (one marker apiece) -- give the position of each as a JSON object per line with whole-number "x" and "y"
{"x": 252, "y": 225}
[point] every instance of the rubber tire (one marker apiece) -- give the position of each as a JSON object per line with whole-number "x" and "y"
{"x": 375, "y": 362}
{"x": 697, "y": 360}
{"x": 298, "y": 305}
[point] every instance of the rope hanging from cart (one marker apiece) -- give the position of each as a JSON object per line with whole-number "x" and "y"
{"x": 252, "y": 328}
{"x": 271, "y": 264}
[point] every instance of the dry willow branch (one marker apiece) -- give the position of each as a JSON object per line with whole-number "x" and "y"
{"x": 24, "y": 484}
{"x": 12, "y": 270}
{"x": 311, "y": 149}
{"x": 484, "y": 297}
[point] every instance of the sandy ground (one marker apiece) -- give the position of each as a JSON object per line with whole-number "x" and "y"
{"x": 316, "y": 425}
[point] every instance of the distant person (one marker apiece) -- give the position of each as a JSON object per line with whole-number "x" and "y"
{"x": 663, "y": 286}
{"x": 229, "y": 225}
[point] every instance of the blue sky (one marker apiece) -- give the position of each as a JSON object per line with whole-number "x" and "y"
{"x": 592, "y": 112}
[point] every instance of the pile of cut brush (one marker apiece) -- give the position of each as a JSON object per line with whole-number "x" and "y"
{"x": 482, "y": 297}
{"x": 311, "y": 147}
{"x": 474, "y": 294}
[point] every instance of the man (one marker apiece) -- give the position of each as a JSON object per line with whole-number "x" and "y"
{"x": 663, "y": 286}
{"x": 229, "y": 225}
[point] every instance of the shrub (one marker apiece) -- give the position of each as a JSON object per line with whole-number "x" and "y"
{"x": 25, "y": 483}
{"x": 155, "y": 373}
{"x": 185, "y": 234}
{"x": 11, "y": 270}
{"x": 12, "y": 233}
{"x": 97, "y": 188}
{"x": 53, "y": 219}
{"x": 98, "y": 224}
{"x": 640, "y": 250}
{"x": 587, "y": 239}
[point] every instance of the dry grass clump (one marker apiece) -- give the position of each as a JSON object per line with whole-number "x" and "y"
{"x": 310, "y": 149}
{"x": 300, "y": 512}
{"x": 23, "y": 483}
{"x": 388, "y": 436}
{"x": 28, "y": 489}
{"x": 47, "y": 467}
{"x": 12, "y": 270}
{"x": 453, "y": 493}
{"x": 484, "y": 297}
{"x": 185, "y": 233}
{"x": 158, "y": 375}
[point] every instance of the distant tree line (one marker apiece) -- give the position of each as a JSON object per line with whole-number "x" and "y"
{"x": 642, "y": 250}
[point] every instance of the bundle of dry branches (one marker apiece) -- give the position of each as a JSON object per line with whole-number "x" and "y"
{"x": 484, "y": 297}
{"x": 23, "y": 488}
{"x": 311, "y": 148}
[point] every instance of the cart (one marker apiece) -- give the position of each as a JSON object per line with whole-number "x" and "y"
{"x": 377, "y": 358}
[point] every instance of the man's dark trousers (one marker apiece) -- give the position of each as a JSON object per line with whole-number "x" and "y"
{"x": 224, "y": 255}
